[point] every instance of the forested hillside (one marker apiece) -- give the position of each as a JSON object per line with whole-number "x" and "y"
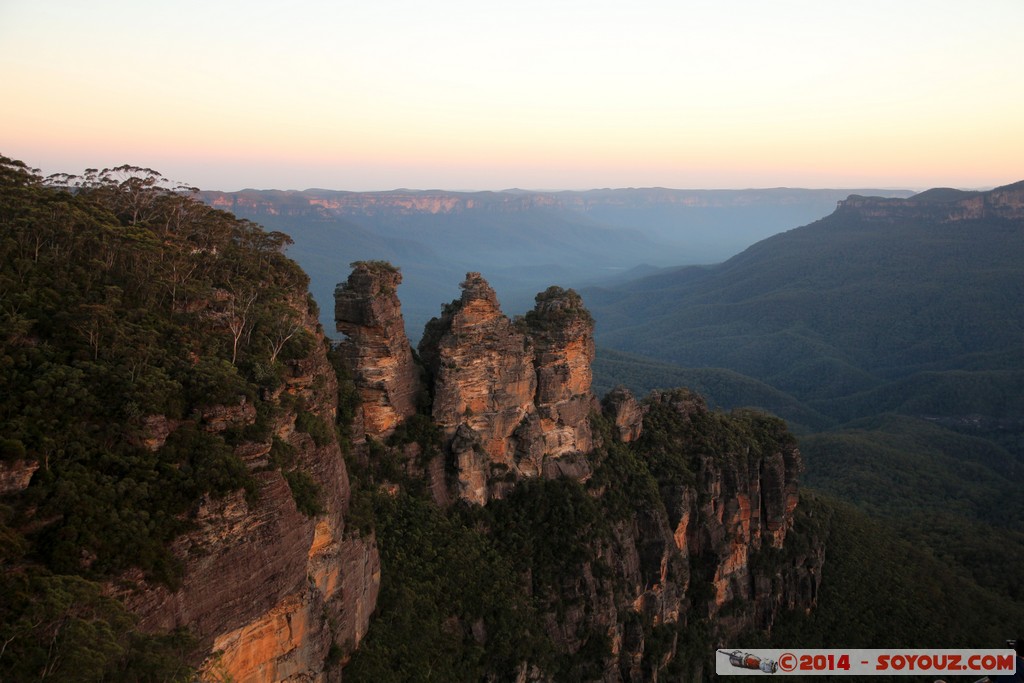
{"x": 841, "y": 306}
{"x": 889, "y": 334}
{"x": 130, "y": 316}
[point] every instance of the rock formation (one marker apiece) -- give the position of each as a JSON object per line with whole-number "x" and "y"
{"x": 512, "y": 399}
{"x": 700, "y": 553}
{"x": 741, "y": 504}
{"x": 376, "y": 351}
{"x": 943, "y": 205}
{"x": 484, "y": 384}
{"x": 16, "y": 475}
{"x": 563, "y": 336}
{"x": 627, "y": 416}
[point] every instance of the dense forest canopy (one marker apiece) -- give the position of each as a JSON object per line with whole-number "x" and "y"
{"x": 124, "y": 303}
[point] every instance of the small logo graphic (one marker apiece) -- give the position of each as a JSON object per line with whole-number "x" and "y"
{"x": 787, "y": 661}
{"x": 744, "y": 660}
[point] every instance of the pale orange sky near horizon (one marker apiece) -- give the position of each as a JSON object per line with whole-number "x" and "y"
{"x": 543, "y": 95}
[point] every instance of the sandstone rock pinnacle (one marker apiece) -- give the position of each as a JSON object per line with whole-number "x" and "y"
{"x": 512, "y": 398}
{"x": 625, "y": 412}
{"x": 484, "y": 382}
{"x": 377, "y": 351}
{"x": 562, "y": 331}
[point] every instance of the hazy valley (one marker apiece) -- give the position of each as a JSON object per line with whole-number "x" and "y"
{"x": 888, "y": 334}
{"x": 522, "y": 241}
{"x": 196, "y": 481}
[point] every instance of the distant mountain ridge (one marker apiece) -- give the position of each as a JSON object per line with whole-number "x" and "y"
{"x": 405, "y": 201}
{"x": 889, "y": 333}
{"x": 943, "y": 204}
{"x": 524, "y": 240}
{"x": 880, "y": 289}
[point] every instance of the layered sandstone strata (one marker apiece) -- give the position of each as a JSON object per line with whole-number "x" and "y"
{"x": 740, "y": 504}
{"x": 268, "y": 590}
{"x": 562, "y": 331}
{"x": 512, "y": 398}
{"x": 484, "y": 384}
{"x": 377, "y": 352}
{"x": 625, "y": 412}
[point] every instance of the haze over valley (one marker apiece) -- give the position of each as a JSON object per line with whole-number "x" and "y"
{"x": 548, "y": 415}
{"x": 522, "y": 240}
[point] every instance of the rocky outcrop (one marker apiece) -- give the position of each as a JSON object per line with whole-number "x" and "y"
{"x": 268, "y": 589}
{"x": 377, "y": 352}
{"x": 706, "y": 542}
{"x": 15, "y": 475}
{"x": 710, "y": 549}
{"x": 512, "y": 399}
{"x": 738, "y": 511}
{"x": 562, "y": 331}
{"x": 626, "y": 415}
{"x": 484, "y": 384}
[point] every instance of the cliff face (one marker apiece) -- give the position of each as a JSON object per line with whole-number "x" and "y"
{"x": 266, "y": 587}
{"x": 512, "y": 399}
{"x": 710, "y": 549}
{"x": 942, "y": 205}
{"x": 168, "y": 438}
{"x": 15, "y": 476}
{"x": 376, "y": 350}
{"x": 627, "y": 416}
{"x": 739, "y": 509}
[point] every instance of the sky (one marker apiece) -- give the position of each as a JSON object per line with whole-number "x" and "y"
{"x": 488, "y": 95}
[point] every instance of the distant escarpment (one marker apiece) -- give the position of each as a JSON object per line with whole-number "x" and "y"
{"x": 332, "y": 203}
{"x": 942, "y": 205}
{"x": 642, "y": 531}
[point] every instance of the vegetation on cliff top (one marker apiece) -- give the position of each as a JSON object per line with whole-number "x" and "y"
{"x": 131, "y": 316}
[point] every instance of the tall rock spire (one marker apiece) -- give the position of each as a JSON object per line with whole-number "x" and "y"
{"x": 484, "y": 384}
{"x": 512, "y": 398}
{"x": 562, "y": 331}
{"x": 377, "y": 351}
